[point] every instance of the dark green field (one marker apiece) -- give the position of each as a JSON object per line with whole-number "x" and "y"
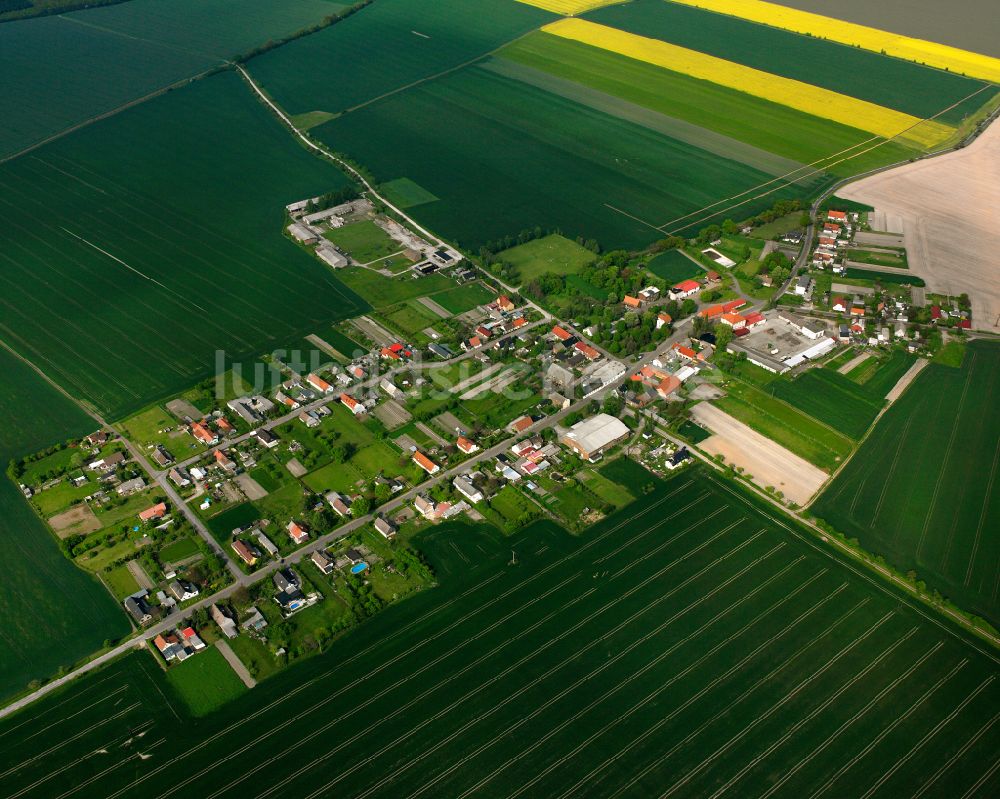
{"x": 674, "y": 266}
{"x": 129, "y": 262}
{"x": 51, "y": 612}
{"x": 831, "y": 398}
{"x": 687, "y": 646}
{"x": 922, "y": 489}
{"x": 387, "y": 46}
{"x": 62, "y": 70}
{"x": 890, "y": 82}
{"x": 574, "y": 165}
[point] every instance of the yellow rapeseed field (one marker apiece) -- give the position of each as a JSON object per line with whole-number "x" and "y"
{"x": 569, "y": 7}
{"x": 785, "y": 91}
{"x": 933, "y": 54}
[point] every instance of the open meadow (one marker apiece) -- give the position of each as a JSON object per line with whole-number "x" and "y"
{"x": 130, "y": 228}
{"x": 51, "y": 612}
{"x": 57, "y": 68}
{"x": 691, "y": 645}
{"x": 922, "y": 490}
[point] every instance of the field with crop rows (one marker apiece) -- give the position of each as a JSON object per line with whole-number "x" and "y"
{"x": 832, "y": 398}
{"x": 386, "y": 47}
{"x": 57, "y": 69}
{"x": 130, "y": 261}
{"x": 922, "y": 490}
{"x": 51, "y": 613}
{"x": 567, "y": 176}
{"x": 688, "y": 645}
{"x": 674, "y": 266}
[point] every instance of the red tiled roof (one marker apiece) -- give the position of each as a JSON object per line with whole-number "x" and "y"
{"x": 522, "y": 424}
{"x": 560, "y": 333}
{"x": 711, "y": 311}
{"x": 318, "y": 382}
{"x": 424, "y": 462}
{"x": 349, "y": 401}
{"x": 632, "y": 302}
{"x": 465, "y": 444}
{"x": 154, "y": 512}
{"x": 732, "y": 305}
{"x": 589, "y": 352}
{"x": 687, "y": 285}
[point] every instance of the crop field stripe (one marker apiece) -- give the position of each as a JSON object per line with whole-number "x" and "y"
{"x": 530, "y": 656}
{"x": 820, "y": 102}
{"x": 953, "y": 59}
{"x": 15, "y": 727}
{"x": 983, "y": 513}
{"x": 951, "y": 761}
{"x": 706, "y": 689}
{"x": 425, "y": 617}
{"x": 656, "y": 661}
{"x": 569, "y": 7}
{"x": 820, "y": 747}
{"x": 898, "y": 764}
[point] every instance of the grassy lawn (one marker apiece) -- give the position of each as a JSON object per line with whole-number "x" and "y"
{"x": 383, "y": 292}
{"x": 266, "y": 479}
{"x": 951, "y": 354}
{"x": 409, "y": 318}
{"x": 511, "y": 504}
{"x": 60, "y": 496}
{"x": 34, "y": 473}
{"x": 674, "y": 266}
{"x": 606, "y": 489}
{"x": 156, "y": 426}
{"x": 464, "y": 298}
{"x": 831, "y": 398}
{"x": 779, "y": 226}
{"x": 377, "y": 458}
{"x": 178, "y": 550}
{"x": 205, "y": 682}
{"x": 121, "y": 582}
{"x": 694, "y": 433}
{"x": 896, "y": 259}
{"x": 405, "y": 193}
{"x": 99, "y": 558}
{"x": 223, "y": 524}
{"x": 496, "y": 411}
{"x": 259, "y": 660}
{"x": 786, "y": 425}
{"x": 127, "y": 510}
{"x": 552, "y": 253}
{"x": 333, "y": 477}
{"x": 571, "y": 503}
{"x": 364, "y": 241}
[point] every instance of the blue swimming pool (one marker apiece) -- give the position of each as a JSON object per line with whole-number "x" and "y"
{"x": 357, "y": 568}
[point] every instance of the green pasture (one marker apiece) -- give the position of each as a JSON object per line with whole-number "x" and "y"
{"x": 895, "y": 259}
{"x": 891, "y": 82}
{"x": 56, "y": 68}
{"x": 388, "y": 46}
{"x": 120, "y": 582}
{"x": 179, "y": 550}
{"x": 795, "y": 430}
{"x": 567, "y": 175}
{"x": 768, "y": 126}
{"x": 832, "y": 398}
{"x": 381, "y": 291}
{"x": 204, "y": 682}
{"x": 148, "y": 428}
{"x": 222, "y": 524}
{"x": 404, "y": 193}
{"x": 464, "y": 298}
{"x": 409, "y": 318}
{"x": 674, "y": 266}
{"x": 770, "y": 662}
{"x": 606, "y": 489}
{"x": 779, "y": 226}
{"x": 51, "y": 613}
{"x": 201, "y": 269}
{"x": 364, "y": 241}
{"x": 553, "y": 253}
{"x": 921, "y": 492}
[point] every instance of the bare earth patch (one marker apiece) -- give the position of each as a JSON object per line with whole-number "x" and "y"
{"x": 948, "y": 206}
{"x": 75, "y": 521}
{"x": 296, "y": 468}
{"x": 250, "y": 487}
{"x": 767, "y": 463}
{"x": 911, "y": 374}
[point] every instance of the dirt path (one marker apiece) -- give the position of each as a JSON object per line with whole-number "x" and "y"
{"x": 495, "y": 384}
{"x": 476, "y": 378}
{"x": 857, "y": 360}
{"x": 948, "y": 209}
{"x": 434, "y": 308}
{"x": 911, "y": 374}
{"x": 767, "y": 463}
{"x": 427, "y": 431}
{"x": 236, "y": 663}
{"x": 140, "y": 575}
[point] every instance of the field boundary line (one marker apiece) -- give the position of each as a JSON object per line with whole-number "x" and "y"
{"x": 656, "y": 661}
{"x": 706, "y": 689}
{"x": 136, "y": 755}
{"x": 961, "y": 751}
{"x": 979, "y": 783}
{"x": 982, "y": 515}
{"x": 56, "y": 706}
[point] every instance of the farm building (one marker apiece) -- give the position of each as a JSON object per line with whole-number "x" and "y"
{"x": 302, "y": 234}
{"x": 591, "y": 437}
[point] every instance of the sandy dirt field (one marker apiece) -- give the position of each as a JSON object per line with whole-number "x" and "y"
{"x": 392, "y": 414}
{"x": 250, "y": 487}
{"x": 857, "y": 360}
{"x": 434, "y": 308}
{"x": 75, "y": 521}
{"x": 296, "y": 468}
{"x": 767, "y": 463}
{"x": 949, "y": 210}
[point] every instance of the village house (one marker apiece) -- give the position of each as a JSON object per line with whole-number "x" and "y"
{"x": 156, "y": 512}
{"x": 631, "y": 302}
{"x": 267, "y": 438}
{"x": 561, "y": 333}
{"x": 183, "y": 590}
{"x": 297, "y": 532}
{"x": 322, "y": 562}
{"x": 425, "y": 463}
{"x": 464, "y": 486}
{"x": 686, "y": 288}
{"x": 336, "y": 501}
{"x": 662, "y": 319}
{"x": 130, "y": 487}
{"x": 385, "y": 528}
{"x": 245, "y": 552}
{"x": 521, "y": 424}
{"x": 352, "y": 404}
{"x": 226, "y": 624}
{"x": 590, "y": 353}
{"x": 108, "y": 463}
{"x": 204, "y": 434}
{"x": 592, "y": 437}
{"x": 138, "y": 608}
{"x": 266, "y": 543}
{"x": 466, "y": 445}
{"x": 224, "y": 461}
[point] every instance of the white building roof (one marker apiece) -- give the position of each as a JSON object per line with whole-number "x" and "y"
{"x": 597, "y": 432}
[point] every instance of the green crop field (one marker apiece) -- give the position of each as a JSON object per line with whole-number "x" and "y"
{"x": 832, "y": 398}
{"x": 886, "y": 278}
{"x": 674, "y": 266}
{"x": 552, "y": 253}
{"x": 691, "y": 644}
{"x": 56, "y": 69}
{"x": 891, "y": 82}
{"x": 813, "y": 440}
{"x": 568, "y": 176}
{"x": 387, "y": 46}
{"x": 740, "y": 117}
{"x": 51, "y": 612}
{"x": 178, "y": 550}
{"x": 205, "y": 682}
{"x": 144, "y": 265}
{"x": 888, "y": 372}
{"x": 922, "y": 490}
